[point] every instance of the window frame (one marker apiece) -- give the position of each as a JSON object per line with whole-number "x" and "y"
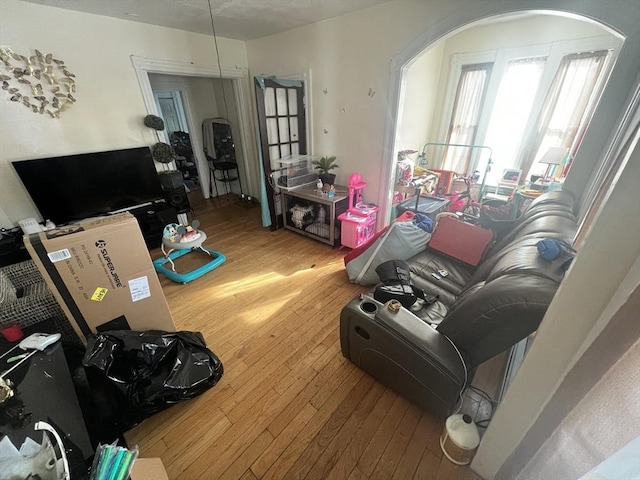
{"x": 554, "y": 52}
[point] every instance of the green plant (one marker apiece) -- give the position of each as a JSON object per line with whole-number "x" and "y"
{"x": 325, "y": 164}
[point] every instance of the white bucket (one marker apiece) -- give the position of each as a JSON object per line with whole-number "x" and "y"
{"x": 459, "y": 439}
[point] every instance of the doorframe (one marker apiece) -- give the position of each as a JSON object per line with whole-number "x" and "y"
{"x": 240, "y": 79}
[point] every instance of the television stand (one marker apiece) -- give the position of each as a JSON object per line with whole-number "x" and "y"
{"x": 152, "y": 219}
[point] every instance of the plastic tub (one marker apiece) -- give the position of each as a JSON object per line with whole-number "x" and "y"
{"x": 430, "y": 206}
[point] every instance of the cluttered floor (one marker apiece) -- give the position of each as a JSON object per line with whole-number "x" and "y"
{"x": 289, "y": 404}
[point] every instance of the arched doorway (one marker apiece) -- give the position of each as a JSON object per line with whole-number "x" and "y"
{"x": 557, "y": 346}
{"x": 537, "y": 47}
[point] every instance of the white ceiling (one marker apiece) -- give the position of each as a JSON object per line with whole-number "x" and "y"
{"x": 237, "y": 19}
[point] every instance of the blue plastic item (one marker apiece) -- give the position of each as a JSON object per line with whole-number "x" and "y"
{"x": 217, "y": 259}
{"x": 423, "y": 222}
{"x": 551, "y": 249}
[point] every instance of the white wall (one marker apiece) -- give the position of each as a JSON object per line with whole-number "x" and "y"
{"x": 349, "y": 57}
{"x": 350, "y": 60}
{"x": 109, "y": 109}
{"x": 420, "y": 99}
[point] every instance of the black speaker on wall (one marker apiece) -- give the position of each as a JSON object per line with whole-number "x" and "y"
{"x": 178, "y": 199}
{"x": 171, "y": 179}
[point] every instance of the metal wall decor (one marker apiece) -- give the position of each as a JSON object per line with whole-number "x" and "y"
{"x": 39, "y": 82}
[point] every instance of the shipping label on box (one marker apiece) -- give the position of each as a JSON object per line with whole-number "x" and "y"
{"x": 100, "y": 271}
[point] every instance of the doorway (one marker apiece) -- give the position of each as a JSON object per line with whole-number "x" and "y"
{"x": 530, "y": 390}
{"x": 177, "y": 132}
{"x": 206, "y": 92}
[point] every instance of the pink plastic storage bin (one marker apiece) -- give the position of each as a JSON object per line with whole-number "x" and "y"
{"x": 357, "y": 229}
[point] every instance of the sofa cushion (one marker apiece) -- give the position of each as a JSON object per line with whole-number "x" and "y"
{"x": 531, "y": 240}
{"x": 525, "y": 260}
{"x": 7, "y": 290}
{"x": 491, "y": 318}
{"x": 448, "y": 288}
{"x": 557, "y": 221}
{"x": 561, "y": 199}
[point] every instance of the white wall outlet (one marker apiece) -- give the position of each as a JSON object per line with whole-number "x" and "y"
{"x": 30, "y": 225}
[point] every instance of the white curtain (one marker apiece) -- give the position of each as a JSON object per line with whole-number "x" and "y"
{"x": 511, "y": 111}
{"x": 566, "y": 108}
{"x": 465, "y": 117}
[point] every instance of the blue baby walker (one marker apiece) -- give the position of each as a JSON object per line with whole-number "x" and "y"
{"x": 179, "y": 240}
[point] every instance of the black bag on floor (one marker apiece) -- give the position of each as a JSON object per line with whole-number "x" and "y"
{"x": 146, "y": 372}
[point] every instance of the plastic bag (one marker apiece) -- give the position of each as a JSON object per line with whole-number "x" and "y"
{"x": 146, "y": 372}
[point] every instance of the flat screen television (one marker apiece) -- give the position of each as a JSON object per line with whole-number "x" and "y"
{"x": 73, "y": 187}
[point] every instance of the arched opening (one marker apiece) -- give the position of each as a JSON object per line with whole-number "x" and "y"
{"x": 525, "y": 85}
{"x": 614, "y": 120}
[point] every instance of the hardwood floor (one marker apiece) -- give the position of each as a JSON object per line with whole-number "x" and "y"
{"x": 289, "y": 404}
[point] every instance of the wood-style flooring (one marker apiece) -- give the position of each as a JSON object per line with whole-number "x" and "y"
{"x": 289, "y": 405}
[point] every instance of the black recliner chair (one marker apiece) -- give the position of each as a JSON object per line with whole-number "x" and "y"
{"x": 430, "y": 356}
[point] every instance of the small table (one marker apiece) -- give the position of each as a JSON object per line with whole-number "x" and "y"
{"x": 310, "y": 196}
{"x": 45, "y": 387}
{"x": 177, "y": 250}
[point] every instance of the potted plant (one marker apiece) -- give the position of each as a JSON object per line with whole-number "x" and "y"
{"x": 324, "y": 166}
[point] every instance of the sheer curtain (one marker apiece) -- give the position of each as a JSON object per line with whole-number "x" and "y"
{"x": 466, "y": 114}
{"x": 511, "y": 111}
{"x": 568, "y": 103}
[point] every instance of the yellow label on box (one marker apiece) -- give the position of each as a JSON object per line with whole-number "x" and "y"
{"x": 99, "y": 294}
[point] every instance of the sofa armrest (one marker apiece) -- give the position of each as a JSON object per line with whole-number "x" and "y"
{"x": 404, "y": 353}
{"x": 421, "y": 336}
{"x": 490, "y": 318}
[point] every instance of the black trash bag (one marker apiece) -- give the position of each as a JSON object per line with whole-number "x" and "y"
{"x": 146, "y": 372}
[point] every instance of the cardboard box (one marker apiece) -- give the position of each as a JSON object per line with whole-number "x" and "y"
{"x": 101, "y": 274}
{"x": 148, "y": 469}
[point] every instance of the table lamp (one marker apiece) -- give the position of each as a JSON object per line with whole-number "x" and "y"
{"x": 553, "y": 157}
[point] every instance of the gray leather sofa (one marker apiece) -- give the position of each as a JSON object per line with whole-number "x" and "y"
{"x": 429, "y": 356}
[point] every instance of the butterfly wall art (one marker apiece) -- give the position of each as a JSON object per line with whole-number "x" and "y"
{"x": 39, "y": 82}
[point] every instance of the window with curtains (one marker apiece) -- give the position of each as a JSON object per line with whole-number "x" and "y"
{"x": 566, "y": 108}
{"x": 467, "y": 106}
{"x": 521, "y": 102}
{"x": 511, "y": 112}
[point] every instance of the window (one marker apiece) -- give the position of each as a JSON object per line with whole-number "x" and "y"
{"x": 511, "y": 112}
{"x": 467, "y": 107}
{"x": 564, "y": 111}
{"x": 520, "y": 102}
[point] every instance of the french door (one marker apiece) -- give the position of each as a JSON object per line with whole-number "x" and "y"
{"x": 282, "y": 125}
